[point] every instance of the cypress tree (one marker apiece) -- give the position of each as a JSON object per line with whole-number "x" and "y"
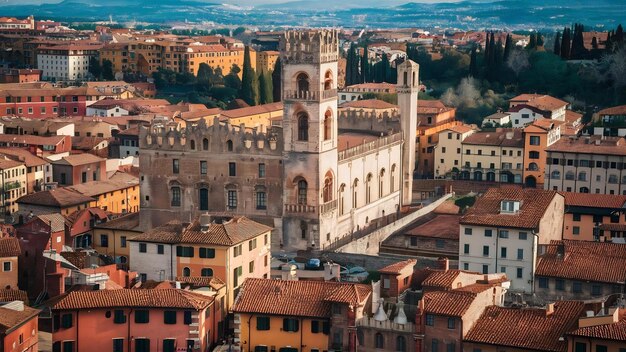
{"x": 385, "y": 67}
{"x": 350, "y": 66}
{"x": 356, "y": 74}
{"x": 594, "y": 43}
{"x": 365, "y": 66}
{"x": 565, "y": 43}
{"x": 539, "y": 40}
{"x": 557, "y": 44}
{"x": 492, "y": 50}
{"x": 508, "y": 46}
{"x": 249, "y": 85}
{"x": 618, "y": 36}
{"x": 204, "y": 76}
{"x": 473, "y": 69}
{"x": 276, "y": 82}
{"x": 265, "y": 88}
{"x": 532, "y": 43}
{"x": 497, "y": 53}
{"x": 487, "y": 45}
{"x": 578, "y": 50}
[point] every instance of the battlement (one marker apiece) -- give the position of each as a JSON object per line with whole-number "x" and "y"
{"x": 220, "y": 137}
{"x": 309, "y": 47}
{"x": 364, "y": 120}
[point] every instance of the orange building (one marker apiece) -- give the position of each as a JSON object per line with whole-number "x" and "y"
{"x": 432, "y": 118}
{"x": 593, "y": 217}
{"x": 9, "y": 252}
{"x": 266, "y": 60}
{"x": 396, "y": 278}
{"x": 118, "y": 194}
{"x": 599, "y": 332}
{"x": 537, "y": 137}
{"x": 138, "y": 320}
{"x": 19, "y": 330}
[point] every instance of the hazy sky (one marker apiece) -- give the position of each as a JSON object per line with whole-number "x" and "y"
{"x": 237, "y": 2}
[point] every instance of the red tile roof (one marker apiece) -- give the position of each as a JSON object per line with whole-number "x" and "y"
{"x": 297, "y": 298}
{"x": 252, "y": 110}
{"x": 11, "y": 319}
{"x": 24, "y": 155}
{"x": 542, "y": 102}
{"x": 78, "y": 159}
{"x": 350, "y": 140}
{"x": 202, "y": 281}
{"x": 486, "y": 210}
{"x": 590, "y": 145}
{"x": 615, "y": 110}
{"x": 9, "y": 247}
{"x": 155, "y": 298}
{"x": 461, "y": 128}
{"x": 594, "y": 200}
{"x": 396, "y": 268}
{"x": 441, "y": 226}
{"x": 129, "y": 222}
{"x": 60, "y": 197}
{"x": 6, "y": 164}
{"x": 9, "y": 295}
{"x": 450, "y": 303}
{"x": 526, "y": 328}
{"x": 614, "y": 332}
{"x": 368, "y": 104}
{"x": 584, "y": 261}
{"x": 228, "y": 233}
{"x": 500, "y": 137}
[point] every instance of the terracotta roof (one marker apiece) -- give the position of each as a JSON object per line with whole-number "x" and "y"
{"x": 24, "y": 155}
{"x": 78, "y": 159}
{"x": 59, "y": 197}
{"x": 615, "y": 110}
{"x": 30, "y": 139}
{"x": 11, "y": 319}
{"x": 447, "y": 207}
{"x": 55, "y": 220}
{"x": 441, "y": 279}
{"x": 350, "y": 140}
{"x": 615, "y": 331}
{"x": 252, "y": 110}
{"x": 527, "y": 328}
{"x": 297, "y": 298}
{"x": 498, "y": 116}
{"x": 486, "y": 210}
{"x": 431, "y": 107}
{"x": 525, "y": 97}
{"x": 9, "y": 247}
{"x": 541, "y": 102}
{"x": 594, "y": 200}
{"x": 149, "y": 298}
{"x": 202, "y": 281}
{"x": 6, "y": 164}
{"x": 462, "y": 128}
{"x": 94, "y": 212}
{"x": 228, "y": 233}
{"x": 450, "y": 303}
{"x": 505, "y": 137}
{"x": 584, "y": 261}
{"x": 371, "y": 86}
{"x": 368, "y": 104}
{"x": 127, "y": 222}
{"x": 590, "y": 145}
{"x": 96, "y": 188}
{"x": 396, "y": 268}
{"x": 9, "y": 295}
{"x": 78, "y": 259}
{"x": 572, "y": 116}
{"x": 441, "y": 226}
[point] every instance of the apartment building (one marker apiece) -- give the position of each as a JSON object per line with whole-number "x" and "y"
{"x": 504, "y": 230}
{"x": 605, "y": 330}
{"x": 539, "y": 135}
{"x": 42, "y": 101}
{"x": 266, "y": 60}
{"x": 594, "y": 217}
{"x": 9, "y": 251}
{"x": 118, "y": 194}
{"x": 448, "y": 151}
{"x": 432, "y": 117}
{"x": 66, "y": 62}
{"x": 526, "y": 108}
{"x": 35, "y": 167}
{"x": 13, "y": 183}
{"x": 590, "y": 164}
{"x": 19, "y": 327}
{"x": 111, "y": 238}
{"x": 231, "y": 249}
{"x": 78, "y": 168}
{"x": 356, "y": 91}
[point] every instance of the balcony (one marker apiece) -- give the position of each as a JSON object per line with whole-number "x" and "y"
{"x": 310, "y": 95}
{"x": 11, "y": 185}
{"x": 311, "y": 209}
{"x": 328, "y": 206}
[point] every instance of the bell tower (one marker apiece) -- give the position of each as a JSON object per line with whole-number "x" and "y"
{"x": 407, "y": 89}
{"x": 309, "y": 84}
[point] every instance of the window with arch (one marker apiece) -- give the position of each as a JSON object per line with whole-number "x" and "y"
{"x": 368, "y": 188}
{"x": 192, "y": 144}
{"x": 303, "y": 126}
{"x": 406, "y": 78}
{"x": 205, "y": 144}
{"x": 186, "y": 271}
{"x": 175, "y": 201}
{"x": 379, "y": 341}
{"x": 400, "y": 344}
{"x": 302, "y": 80}
{"x": 302, "y": 189}
{"x": 533, "y": 167}
{"x": 355, "y": 193}
{"x": 555, "y": 175}
{"x": 381, "y": 183}
{"x": 206, "y": 272}
{"x": 328, "y": 80}
{"x": 392, "y": 179}
{"x": 583, "y": 190}
{"x": 229, "y": 145}
{"x": 342, "y": 195}
{"x": 328, "y": 125}
{"x": 327, "y": 193}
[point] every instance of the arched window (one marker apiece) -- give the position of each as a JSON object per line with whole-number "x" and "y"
{"x": 381, "y": 183}
{"x": 328, "y": 125}
{"x": 327, "y": 193}
{"x": 303, "y": 228}
{"x": 303, "y": 126}
{"x": 533, "y": 167}
{"x": 175, "y": 202}
{"x": 302, "y": 189}
{"x": 584, "y": 190}
{"x": 400, "y": 344}
{"x": 303, "y": 83}
{"x": 379, "y": 341}
{"x": 555, "y": 175}
{"x": 355, "y": 194}
{"x": 193, "y": 144}
{"x": 392, "y": 177}
{"x": 205, "y": 144}
{"x": 229, "y": 145}
{"x": 328, "y": 80}
{"x": 206, "y": 272}
{"x": 186, "y": 271}
{"x": 342, "y": 193}
{"x": 368, "y": 189}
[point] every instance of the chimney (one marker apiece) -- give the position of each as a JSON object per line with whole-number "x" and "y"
{"x": 549, "y": 309}
{"x": 444, "y": 263}
{"x": 205, "y": 222}
{"x": 560, "y": 250}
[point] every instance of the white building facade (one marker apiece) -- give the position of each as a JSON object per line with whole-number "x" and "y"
{"x": 66, "y": 62}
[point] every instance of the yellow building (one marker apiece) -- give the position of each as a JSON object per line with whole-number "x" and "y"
{"x": 9, "y": 251}
{"x": 119, "y": 194}
{"x": 266, "y": 60}
{"x": 254, "y": 116}
{"x": 304, "y": 316}
{"x": 13, "y": 183}
{"x": 110, "y": 238}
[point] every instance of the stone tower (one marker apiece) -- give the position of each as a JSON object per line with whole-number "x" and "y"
{"x": 309, "y": 92}
{"x": 407, "y": 89}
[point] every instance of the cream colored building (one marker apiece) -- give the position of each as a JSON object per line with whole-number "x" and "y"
{"x": 266, "y": 60}
{"x": 13, "y": 182}
{"x": 448, "y": 156}
{"x": 66, "y": 62}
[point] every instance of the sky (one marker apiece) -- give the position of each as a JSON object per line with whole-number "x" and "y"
{"x": 235, "y": 2}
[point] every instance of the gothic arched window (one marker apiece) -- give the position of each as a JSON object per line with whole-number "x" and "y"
{"x": 303, "y": 126}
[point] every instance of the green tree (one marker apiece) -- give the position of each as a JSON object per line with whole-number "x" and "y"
{"x": 276, "y": 80}
{"x": 107, "y": 70}
{"x": 94, "y": 67}
{"x": 365, "y": 66}
{"x": 473, "y": 67}
{"x": 203, "y": 79}
{"x": 232, "y": 78}
{"x": 265, "y": 88}
{"x": 557, "y": 44}
{"x": 532, "y": 42}
{"x": 565, "y": 43}
{"x": 249, "y": 86}
{"x": 508, "y": 46}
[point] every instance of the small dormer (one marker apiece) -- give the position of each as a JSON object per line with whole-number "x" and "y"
{"x": 509, "y": 206}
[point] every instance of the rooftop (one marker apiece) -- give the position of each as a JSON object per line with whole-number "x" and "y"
{"x": 59, "y": 197}
{"x": 594, "y": 200}
{"x": 78, "y": 159}
{"x": 127, "y": 222}
{"x": 615, "y": 110}
{"x": 12, "y": 318}
{"x": 450, "y": 303}
{"x": 368, "y": 104}
{"x": 584, "y": 261}
{"x": 442, "y": 226}
{"x": 349, "y": 140}
{"x": 28, "y": 139}
{"x": 614, "y": 332}
{"x": 9, "y": 247}
{"x": 6, "y": 164}
{"x": 55, "y": 220}
{"x": 9, "y": 295}
{"x": 526, "y": 328}
{"x": 297, "y": 298}
{"x": 118, "y": 182}
{"x": 227, "y": 233}
{"x": 396, "y": 268}
{"x": 541, "y": 102}
{"x": 252, "y": 110}
{"x": 24, "y": 155}
{"x": 598, "y": 145}
{"x": 505, "y": 137}
{"x": 487, "y": 209}
{"x": 149, "y": 298}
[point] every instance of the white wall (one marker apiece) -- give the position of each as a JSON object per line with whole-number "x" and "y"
{"x": 156, "y": 266}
